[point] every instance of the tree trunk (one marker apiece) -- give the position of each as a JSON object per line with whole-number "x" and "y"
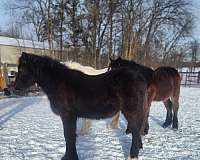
{"x": 63, "y": 2}
{"x": 110, "y": 42}
{"x": 49, "y": 27}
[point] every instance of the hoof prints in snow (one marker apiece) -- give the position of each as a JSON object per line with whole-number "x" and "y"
{"x": 30, "y": 131}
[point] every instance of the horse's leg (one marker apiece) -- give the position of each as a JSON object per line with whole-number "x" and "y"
{"x": 135, "y": 146}
{"x": 147, "y": 104}
{"x": 69, "y": 125}
{"x": 133, "y": 127}
{"x": 115, "y": 121}
{"x": 175, "y": 111}
{"x": 146, "y": 123}
{"x": 86, "y": 123}
{"x": 168, "y": 105}
{"x": 175, "y": 101}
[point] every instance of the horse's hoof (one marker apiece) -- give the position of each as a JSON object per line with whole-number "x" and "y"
{"x": 175, "y": 128}
{"x": 69, "y": 158}
{"x": 64, "y": 158}
{"x": 135, "y": 158}
{"x": 165, "y": 125}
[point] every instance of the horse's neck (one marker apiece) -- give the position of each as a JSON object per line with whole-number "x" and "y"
{"x": 47, "y": 82}
{"x": 52, "y": 80}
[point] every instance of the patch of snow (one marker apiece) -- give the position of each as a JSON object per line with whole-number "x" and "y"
{"x": 30, "y": 131}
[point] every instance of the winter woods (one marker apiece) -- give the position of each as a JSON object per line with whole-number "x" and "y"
{"x": 151, "y": 32}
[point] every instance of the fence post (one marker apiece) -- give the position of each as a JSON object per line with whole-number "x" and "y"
{"x": 186, "y": 77}
{"x": 198, "y": 78}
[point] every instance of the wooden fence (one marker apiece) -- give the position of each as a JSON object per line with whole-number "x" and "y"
{"x": 191, "y": 79}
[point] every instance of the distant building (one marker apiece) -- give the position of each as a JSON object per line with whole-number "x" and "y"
{"x": 11, "y": 49}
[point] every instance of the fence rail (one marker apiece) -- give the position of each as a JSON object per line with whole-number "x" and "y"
{"x": 190, "y": 78}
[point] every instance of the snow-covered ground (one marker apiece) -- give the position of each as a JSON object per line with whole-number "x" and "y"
{"x": 30, "y": 131}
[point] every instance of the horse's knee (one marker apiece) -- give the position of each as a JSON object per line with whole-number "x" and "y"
{"x": 132, "y": 128}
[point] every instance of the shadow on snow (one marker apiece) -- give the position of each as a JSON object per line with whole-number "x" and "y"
{"x": 18, "y": 108}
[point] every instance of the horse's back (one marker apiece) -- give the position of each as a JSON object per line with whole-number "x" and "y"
{"x": 147, "y": 72}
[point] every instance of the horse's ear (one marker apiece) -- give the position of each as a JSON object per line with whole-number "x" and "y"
{"x": 24, "y": 54}
{"x": 23, "y": 57}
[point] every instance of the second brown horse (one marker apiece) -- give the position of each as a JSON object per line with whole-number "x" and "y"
{"x": 163, "y": 85}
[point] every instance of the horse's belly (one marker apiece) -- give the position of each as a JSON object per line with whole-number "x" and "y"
{"x": 98, "y": 111}
{"x": 159, "y": 98}
{"x": 163, "y": 95}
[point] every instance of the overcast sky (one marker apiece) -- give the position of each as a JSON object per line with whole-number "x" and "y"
{"x": 4, "y": 17}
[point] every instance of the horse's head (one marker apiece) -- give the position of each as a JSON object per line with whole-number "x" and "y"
{"x": 25, "y": 76}
{"x": 114, "y": 64}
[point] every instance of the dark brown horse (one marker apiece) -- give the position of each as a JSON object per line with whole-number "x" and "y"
{"x": 163, "y": 85}
{"x": 73, "y": 94}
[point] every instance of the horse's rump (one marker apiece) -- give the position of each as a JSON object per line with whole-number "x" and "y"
{"x": 166, "y": 80}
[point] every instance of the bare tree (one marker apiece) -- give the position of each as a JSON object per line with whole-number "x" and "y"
{"x": 147, "y": 31}
{"x": 194, "y": 51}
